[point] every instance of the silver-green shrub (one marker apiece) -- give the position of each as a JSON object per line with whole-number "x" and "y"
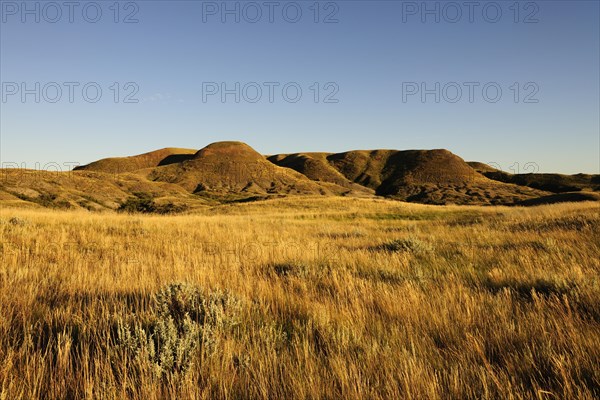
{"x": 186, "y": 321}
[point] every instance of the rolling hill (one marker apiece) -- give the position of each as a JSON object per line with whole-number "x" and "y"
{"x": 555, "y": 183}
{"x": 233, "y": 171}
{"x": 155, "y": 158}
{"x": 234, "y": 168}
{"x": 424, "y": 176}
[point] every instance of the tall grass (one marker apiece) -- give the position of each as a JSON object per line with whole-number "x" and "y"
{"x": 302, "y": 298}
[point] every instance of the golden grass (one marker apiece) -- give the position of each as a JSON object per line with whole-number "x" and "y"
{"x": 340, "y": 298}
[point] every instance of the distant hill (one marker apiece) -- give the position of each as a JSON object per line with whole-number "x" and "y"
{"x": 234, "y": 168}
{"x": 233, "y": 171}
{"x": 84, "y": 189}
{"x": 561, "y": 198}
{"x": 555, "y": 183}
{"x": 155, "y": 158}
{"x": 424, "y": 176}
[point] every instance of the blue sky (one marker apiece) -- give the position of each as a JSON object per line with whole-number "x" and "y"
{"x": 368, "y": 55}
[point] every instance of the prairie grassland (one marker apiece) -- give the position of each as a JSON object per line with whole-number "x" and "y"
{"x": 302, "y": 298}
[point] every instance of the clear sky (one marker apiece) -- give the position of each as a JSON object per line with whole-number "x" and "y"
{"x": 371, "y": 61}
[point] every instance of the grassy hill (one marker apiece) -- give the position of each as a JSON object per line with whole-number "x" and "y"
{"x": 555, "y": 183}
{"x": 85, "y": 189}
{"x": 236, "y": 168}
{"x": 423, "y": 176}
{"x": 155, "y": 158}
{"x": 233, "y": 172}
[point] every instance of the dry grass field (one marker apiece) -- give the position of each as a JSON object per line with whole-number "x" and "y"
{"x": 308, "y": 298}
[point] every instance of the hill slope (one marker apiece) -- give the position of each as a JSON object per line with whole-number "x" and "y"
{"x": 234, "y": 171}
{"x": 555, "y": 183}
{"x": 84, "y": 189}
{"x": 117, "y": 165}
{"x": 424, "y": 176}
{"x": 233, "y": 168}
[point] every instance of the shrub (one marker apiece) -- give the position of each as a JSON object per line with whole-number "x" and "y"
{"x": 48, "y": 200}
{"x": 144, "y": 203}
{"x": 410, "y": 244}
{"x": 17, "y": 221}
{"x": 186, "y": 320}
{"x": 170, "y": 208}
{"x": 178, "y": 301}
{"x": 291, "y": 269}
{"x": 45, "y": 199}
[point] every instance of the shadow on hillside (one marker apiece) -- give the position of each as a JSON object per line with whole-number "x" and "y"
{"x": 175, "y": 158}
